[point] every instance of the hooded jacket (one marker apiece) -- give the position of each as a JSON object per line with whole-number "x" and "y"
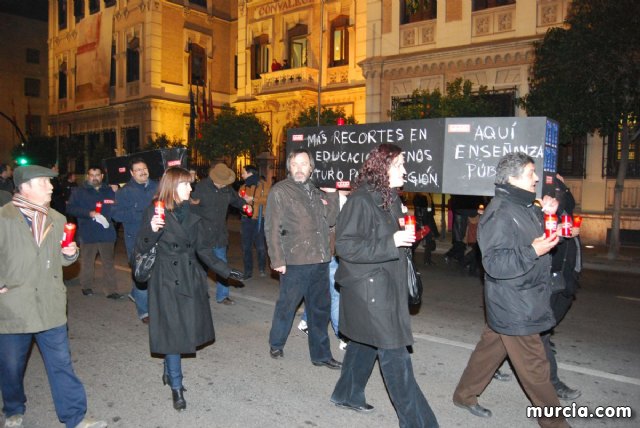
{"x": 212, "y": 206}
{"x": 516, "y": 288}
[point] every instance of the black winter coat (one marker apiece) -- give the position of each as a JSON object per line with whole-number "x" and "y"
{"x": 372, "y": 273}
{"x": 179, "y": 312}
{"x": 213, "y": 207}
{"x": 516, "y": 287}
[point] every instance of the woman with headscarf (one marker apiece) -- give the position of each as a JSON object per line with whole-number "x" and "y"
{"x": 374, "y": 309}
{"x": 179, "y": 312}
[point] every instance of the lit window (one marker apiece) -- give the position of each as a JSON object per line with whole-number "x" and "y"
{"x": 339, "y": 42}
{"x": 298, "y": 46}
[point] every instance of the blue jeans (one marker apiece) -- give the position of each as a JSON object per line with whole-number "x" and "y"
{"x": 141, "y": 297}
{"x": 222, "y": 290}
{"x": 308, "y": 282}
{"x": 335, "y": 297}
{"x": 411, "y": 406}
{"x": 253, "y": 235}
{"x": 173, "y": 369}
{"x": 69, "y": 397}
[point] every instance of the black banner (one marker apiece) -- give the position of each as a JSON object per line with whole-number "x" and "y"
{"x": 456, "y": 156}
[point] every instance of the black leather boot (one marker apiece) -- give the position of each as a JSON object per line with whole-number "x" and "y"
{"x": 179, "y": 403}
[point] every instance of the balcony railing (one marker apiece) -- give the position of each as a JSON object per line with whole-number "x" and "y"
{"x": 286, "y": 80}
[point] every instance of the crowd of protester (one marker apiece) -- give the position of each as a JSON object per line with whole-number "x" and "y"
{"x": 344, "y": 253}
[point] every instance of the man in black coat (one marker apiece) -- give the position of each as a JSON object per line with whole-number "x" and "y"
{"x": 517, "y": 263}
{"x": 214, "y": 195}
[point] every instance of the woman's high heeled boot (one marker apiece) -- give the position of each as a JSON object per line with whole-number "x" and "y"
{"x": 179, "y": 403}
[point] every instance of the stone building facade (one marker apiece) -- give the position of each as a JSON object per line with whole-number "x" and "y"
{"x": 358, "y": 55}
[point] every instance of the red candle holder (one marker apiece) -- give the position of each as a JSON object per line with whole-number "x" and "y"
{"x": 577, "y": 220}
{"x": 98, "y": 207}
{"x": 565, "y": 226}
{"x": 550, "y": 224}
{"x": 410, "y": 223}
{"x": 159, "y": 209}
{"x": 68, "y": 234}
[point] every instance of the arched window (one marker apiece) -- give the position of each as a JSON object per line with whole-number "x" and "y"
{"x": 197, "y": 65}
{"x": 259, "y": 56}
{"x": 487, "y": 4}
{"x": 62, "y": 80}
{"x": 339, "y": 53}
{"x": 133, "y": 60}
{"x": 94, "y": 6}
{"x": 418, "y": 10}
{"x": 78, "y": 9}
{"x": 62, "y": 14}
{"x": 112, "y": 72}
{"x": 298, "y": 45}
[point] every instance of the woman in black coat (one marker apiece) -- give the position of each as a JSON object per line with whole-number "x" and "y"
{"x": 374, "y": 309}
{"x": 179, "y": 312}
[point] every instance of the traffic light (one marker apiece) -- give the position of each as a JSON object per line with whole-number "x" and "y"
{"x": 22, "y": 160}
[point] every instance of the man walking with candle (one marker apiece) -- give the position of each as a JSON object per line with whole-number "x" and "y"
{"x": 92, "y": 204}
{"x": 33, "y": 300}
{"x": 517, "y": 263}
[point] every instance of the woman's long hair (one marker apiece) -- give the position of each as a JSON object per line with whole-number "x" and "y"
{"x": 167, "y": 189}
{"x": 375, "y": 171}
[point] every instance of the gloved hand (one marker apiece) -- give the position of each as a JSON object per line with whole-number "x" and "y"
{"x": 237, "y": 275}
{"x": 99, "y": 218}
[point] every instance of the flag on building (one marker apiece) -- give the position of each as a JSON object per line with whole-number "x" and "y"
{"x": 192, "y": 115}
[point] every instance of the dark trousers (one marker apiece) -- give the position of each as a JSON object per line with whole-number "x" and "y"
{"x": 311, "y": 283}
{"x": 69, "y": 397}
{"x": 88, "y": 255}
{"x": 252, "y": 233}
{"x": 529, "y": 362}
{"x": 411, "y": 406}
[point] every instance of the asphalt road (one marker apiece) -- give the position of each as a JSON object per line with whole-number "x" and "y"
{"x": 234, "y": 382}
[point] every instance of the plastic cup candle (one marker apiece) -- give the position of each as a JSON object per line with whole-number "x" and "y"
{"x": 577, "y": 221}
{"x": 550, "y": 224}
{"x": 565, "y": 226}
{"x": 159, "y": 209}
{"x": 410, "y": 223}
{"x": 98, "y": 207}
{"x": 69, "y": 233}
{"x": 243, "y": 193}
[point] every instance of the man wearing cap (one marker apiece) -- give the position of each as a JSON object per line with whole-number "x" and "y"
{"x": 96, "y": 232}
{"x": 131, "y": 202}
{"x": 212, "y": 198}
{"x": 33, "y": 300}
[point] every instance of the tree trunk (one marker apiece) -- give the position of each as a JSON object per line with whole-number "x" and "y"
{"x": 614, "y": 243}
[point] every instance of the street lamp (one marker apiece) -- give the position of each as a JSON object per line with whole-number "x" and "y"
{"x": 320, "y": 54}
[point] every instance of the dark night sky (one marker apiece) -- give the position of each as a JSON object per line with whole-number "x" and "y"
{"x": 36, "y": 9}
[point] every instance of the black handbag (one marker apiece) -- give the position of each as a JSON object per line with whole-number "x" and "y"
{"x": 414, "y": 280}
{"x": 558, "y": 283}
{"x": 143, "y": 265}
